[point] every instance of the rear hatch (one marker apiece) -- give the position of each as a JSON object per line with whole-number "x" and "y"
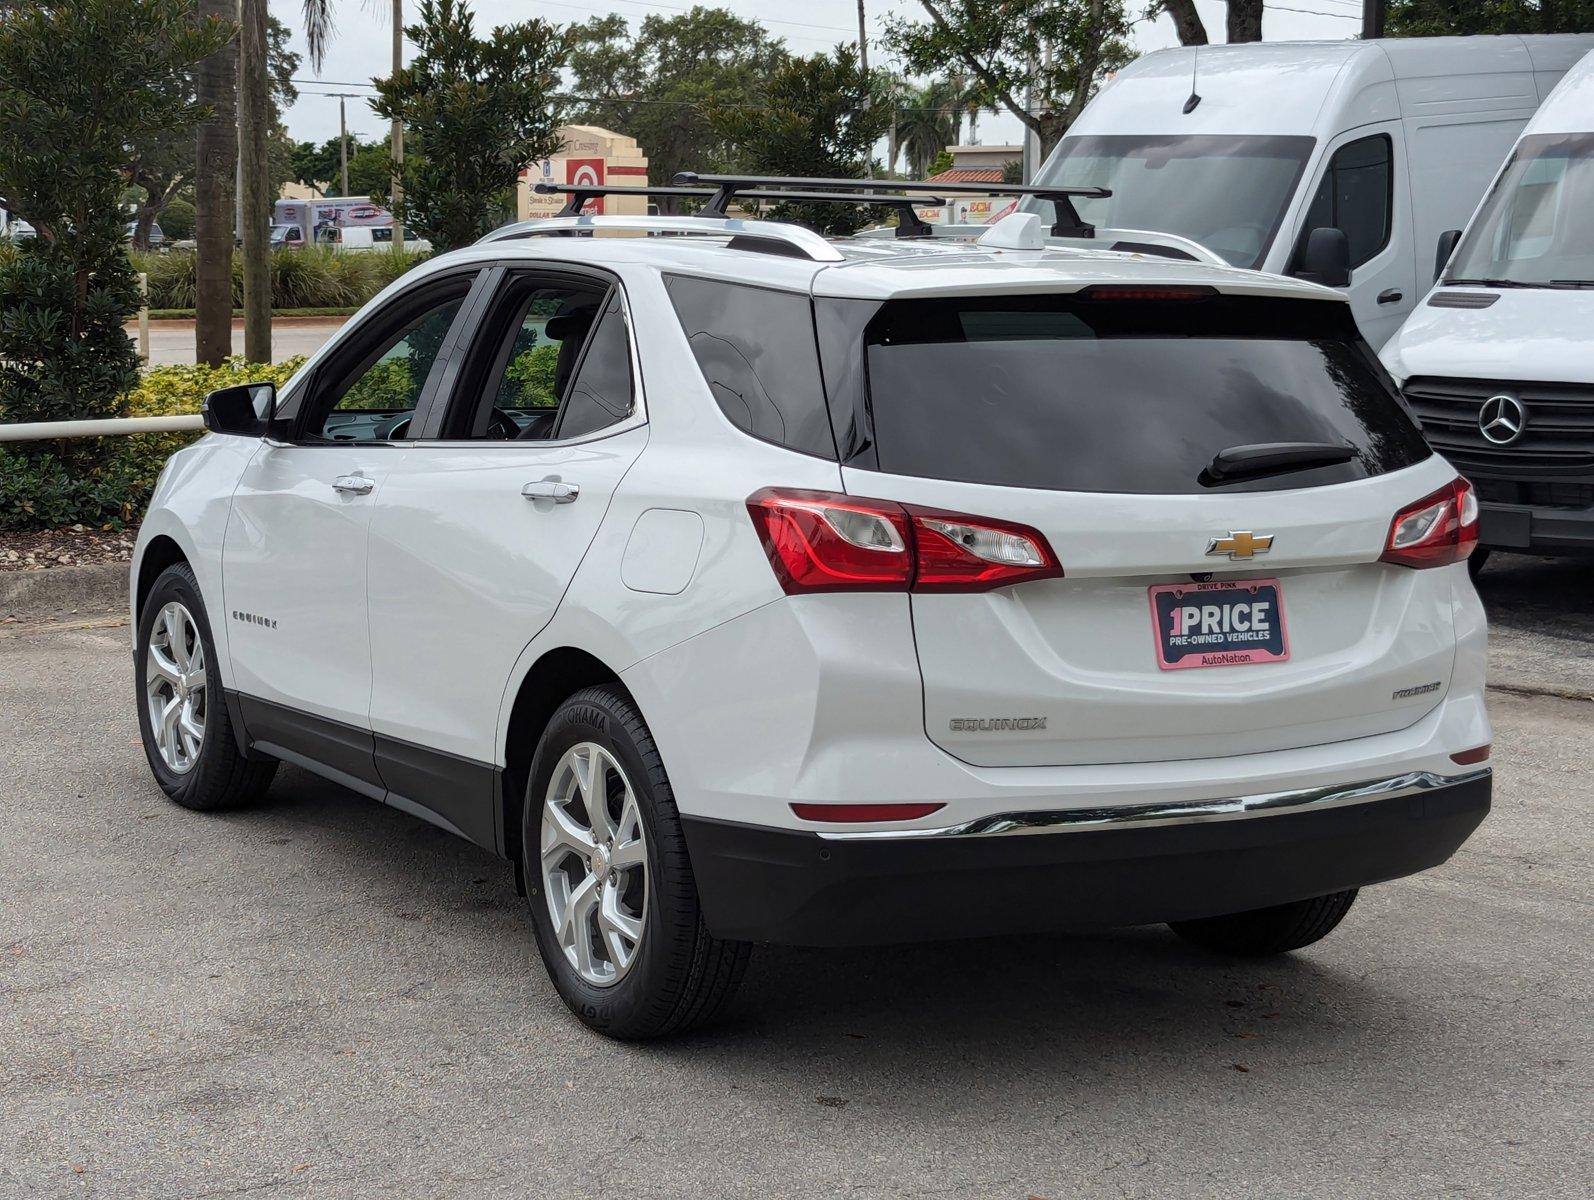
{"x": 1203, "y": 611}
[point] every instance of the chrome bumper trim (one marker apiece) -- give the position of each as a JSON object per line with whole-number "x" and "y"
{"x": 1183, "y": 812}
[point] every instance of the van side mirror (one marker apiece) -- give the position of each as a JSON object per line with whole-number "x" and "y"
{"x": 1326, "y": 259}
{"x": 1447, "y": 247}
{"x": 248, "y": 410}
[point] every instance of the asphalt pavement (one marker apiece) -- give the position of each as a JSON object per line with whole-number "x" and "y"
{"x": 172, "y": 342}
{"x": 323, "y": 997}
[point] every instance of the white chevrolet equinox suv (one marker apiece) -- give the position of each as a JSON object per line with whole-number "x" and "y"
{"x": 741, "y": 585}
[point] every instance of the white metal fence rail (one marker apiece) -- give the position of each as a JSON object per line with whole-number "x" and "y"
{"x": 47, "y": 431}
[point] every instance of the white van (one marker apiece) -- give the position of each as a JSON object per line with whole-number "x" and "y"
{"x": 1498, "y": 362}
{"x": 1248, "y": 149}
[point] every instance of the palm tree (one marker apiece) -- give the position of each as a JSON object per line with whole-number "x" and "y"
{"x": 928, "y": 120}
{"x": 254, "y": 128}
{"x": 216, "y": 160}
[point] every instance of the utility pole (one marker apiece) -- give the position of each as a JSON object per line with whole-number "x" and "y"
{"x": 1374, "y": 13}
{"x": 343, "y": 137}
{"x": 398, "y": 127}
{"x": 254, "y": 119}
{"x": 863, "y": 42}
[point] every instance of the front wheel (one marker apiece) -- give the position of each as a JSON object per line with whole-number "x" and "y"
{"x": 613, "y": 901}
{"x": 182, "y": 717}
{"x": 1267, "y": 931}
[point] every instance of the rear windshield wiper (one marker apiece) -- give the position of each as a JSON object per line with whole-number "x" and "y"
{"x": 1273, "y": 458}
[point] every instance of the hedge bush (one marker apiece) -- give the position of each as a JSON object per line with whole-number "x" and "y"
{"x": 41, "y": 492}
{"x": 309, "y": 278}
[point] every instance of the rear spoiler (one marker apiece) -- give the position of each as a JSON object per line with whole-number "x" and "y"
{"x": 1123, "y": 241}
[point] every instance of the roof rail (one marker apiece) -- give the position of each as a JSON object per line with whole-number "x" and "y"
{"x": 908, "y": 221}
{"x": 1066, "y": 223}
{"x": 775, "y": 237}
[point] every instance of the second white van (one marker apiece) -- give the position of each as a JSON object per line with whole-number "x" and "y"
{"x": 1497, "y": 362}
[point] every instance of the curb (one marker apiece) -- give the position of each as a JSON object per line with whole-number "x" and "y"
{"x": 54, "y": 593}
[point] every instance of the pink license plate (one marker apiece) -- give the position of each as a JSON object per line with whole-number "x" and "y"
{"x": 1219, "y": 624}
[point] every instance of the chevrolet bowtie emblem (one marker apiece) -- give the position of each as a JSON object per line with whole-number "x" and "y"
{"x": 1241, "y": 543}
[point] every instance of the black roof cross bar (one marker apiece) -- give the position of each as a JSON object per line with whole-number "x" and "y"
{"x": 1066, "y": 223}
{"x": 908, "y": 222}
{"x": 580, "y": 193}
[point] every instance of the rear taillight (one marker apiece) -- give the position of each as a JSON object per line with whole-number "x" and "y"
{"x": 828, "y": 542}
{"x": 1435, "y": 531}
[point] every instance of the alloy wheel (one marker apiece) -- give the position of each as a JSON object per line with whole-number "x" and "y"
{"x": 594, "y": 864}
{"x": 175, "y": 687}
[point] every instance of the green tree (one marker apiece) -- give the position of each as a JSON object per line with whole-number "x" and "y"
{"x": 1053, "y": 50}
{"x": 475, "y": 112}
{"x": 1434, "y": 18}
{"x": 160, "y": 168}
{"x": 811, "y": 117}
{"x": 78, "y": 82}
{"x": 370, "y": 167}
{"x": 929, "y": 118}
{"x": 660, "y": 85}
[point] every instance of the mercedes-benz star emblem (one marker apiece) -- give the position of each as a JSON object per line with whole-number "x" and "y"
{"x": 1502, "y": 419}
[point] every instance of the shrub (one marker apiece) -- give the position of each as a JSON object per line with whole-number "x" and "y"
{"x": 42, "y": 490}
{"x": 315, "y": 277}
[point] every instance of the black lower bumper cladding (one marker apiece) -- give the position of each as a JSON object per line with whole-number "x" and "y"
{"x": 795, "y": 887}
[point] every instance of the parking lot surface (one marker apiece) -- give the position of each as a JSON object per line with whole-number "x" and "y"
{"x": 323, "y": 997}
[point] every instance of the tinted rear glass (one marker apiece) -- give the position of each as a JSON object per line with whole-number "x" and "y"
{"x": 755, "y": 347}
{"x": 1123, "y": 396}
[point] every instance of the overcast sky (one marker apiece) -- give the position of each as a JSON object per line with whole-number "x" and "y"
{"x": 360, "y": 46}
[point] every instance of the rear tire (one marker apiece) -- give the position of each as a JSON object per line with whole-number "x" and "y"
{"x": 1267, "y": 931}
{"x": 195, "y": 757}
{"x": 586, "y": 871}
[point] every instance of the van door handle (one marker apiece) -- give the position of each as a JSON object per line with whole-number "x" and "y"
{"x": 357, "y": 485}
{"x": 552, "y": 489}
{"x": 1392, "y": 296}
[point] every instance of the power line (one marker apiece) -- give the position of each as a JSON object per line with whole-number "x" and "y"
{"x": 1315, "y": 12}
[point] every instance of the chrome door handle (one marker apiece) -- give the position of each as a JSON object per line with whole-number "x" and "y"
{"x": 551, "y": 489}
{"x": 359, "y": 485}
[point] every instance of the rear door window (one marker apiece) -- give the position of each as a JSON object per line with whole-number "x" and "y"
{"x": 1135, "y": 396}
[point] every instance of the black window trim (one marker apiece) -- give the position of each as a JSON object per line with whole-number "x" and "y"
{"x": 1297, "y": 254}
{"x": 300, "y": 405}
{"x": 448, "y": 403}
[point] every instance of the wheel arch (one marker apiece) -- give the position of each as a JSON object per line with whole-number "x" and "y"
{"x": 556, "y": 675}
{"x": 162, "y": 551}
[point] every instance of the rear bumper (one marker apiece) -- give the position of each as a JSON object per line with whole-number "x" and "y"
{"x": 1076, "y": 868}
{"x": 1528, "y": 527}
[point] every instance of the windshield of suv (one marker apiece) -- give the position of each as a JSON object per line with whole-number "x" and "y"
{"x": 1228, "y": 193}
{"x": 1536, "y": 227}
{"x": 1126, "y": 395}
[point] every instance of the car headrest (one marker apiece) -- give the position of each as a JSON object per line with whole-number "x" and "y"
{"x": 571, "y": 324}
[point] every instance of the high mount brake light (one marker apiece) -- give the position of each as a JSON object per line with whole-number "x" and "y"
{"x": 829, "y": 542}
{"x": 1135, "y": 291}
{"x": 1439, "y": 529}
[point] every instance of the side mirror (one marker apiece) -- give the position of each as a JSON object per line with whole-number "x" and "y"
{"x": 1327, "y": 257}
{"x": 248, "y": 410}
{"x": 1447, "y": 247}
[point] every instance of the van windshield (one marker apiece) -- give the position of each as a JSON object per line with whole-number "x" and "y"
{"x": 1229, "y": 193}
{"x": 1535, "y": 229}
